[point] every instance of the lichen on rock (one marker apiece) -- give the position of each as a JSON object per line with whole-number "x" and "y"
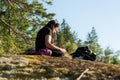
{"x": 26, "y": 67}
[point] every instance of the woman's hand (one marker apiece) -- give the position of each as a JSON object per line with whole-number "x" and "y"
{"x": 63, "y": 50}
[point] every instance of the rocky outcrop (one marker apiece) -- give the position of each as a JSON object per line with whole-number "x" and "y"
{"x": 27, "y": 67}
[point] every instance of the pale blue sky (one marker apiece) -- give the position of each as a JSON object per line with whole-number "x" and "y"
{"x": 82, "y": 15}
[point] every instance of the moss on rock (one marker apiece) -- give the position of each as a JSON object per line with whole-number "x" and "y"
{"x": 25, "y": 67}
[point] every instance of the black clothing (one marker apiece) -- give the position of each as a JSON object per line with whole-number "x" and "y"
{"x": 56, "y": 53}
{"x": 40, "y": 40}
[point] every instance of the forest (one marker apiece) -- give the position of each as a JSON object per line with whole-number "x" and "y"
{"x": 20, "y": 21}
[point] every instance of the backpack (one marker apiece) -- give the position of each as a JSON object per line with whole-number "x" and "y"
{"x": 84, "y": 53}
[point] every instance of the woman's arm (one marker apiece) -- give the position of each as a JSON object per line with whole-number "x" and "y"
{"x": 52, "y": 46}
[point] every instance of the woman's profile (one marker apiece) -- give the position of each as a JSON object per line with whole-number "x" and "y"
{"x": 45, "y": 39}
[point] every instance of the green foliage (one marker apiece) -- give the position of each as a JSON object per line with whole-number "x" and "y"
{"x": 1, "y": 49}
{"x": 110, "y": 56}
{"x": 79, "y": 43}
{"x": 66, "y": 38}
{"x": 92, "y": 42}
{"x": 21, "y": 19}
{"x": 115, "y": 60}
{"x": 19, "y": 22}
{"x": 107, "y": 53}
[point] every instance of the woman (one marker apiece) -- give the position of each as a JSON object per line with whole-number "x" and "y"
{"x": 45, "y": 39}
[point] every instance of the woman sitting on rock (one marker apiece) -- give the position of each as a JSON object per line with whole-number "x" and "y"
{"x": 45, "y": 39}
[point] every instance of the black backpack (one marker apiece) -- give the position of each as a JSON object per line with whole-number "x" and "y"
{"x": 84, "y": 53}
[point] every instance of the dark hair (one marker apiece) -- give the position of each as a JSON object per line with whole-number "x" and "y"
{"x": 51, "y": 24}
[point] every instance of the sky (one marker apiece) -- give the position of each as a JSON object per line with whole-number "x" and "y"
{"x": 82, "y": 15}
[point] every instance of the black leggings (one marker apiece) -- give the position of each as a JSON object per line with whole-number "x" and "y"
{"x": 56, "y": 53}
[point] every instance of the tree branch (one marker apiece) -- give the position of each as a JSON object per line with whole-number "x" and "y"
{"x": 82, "y": 74}
{"x": 25, "y": 37}
{"x": 9, "y": 2}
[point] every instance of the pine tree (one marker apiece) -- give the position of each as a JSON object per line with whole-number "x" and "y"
{"x": 107, "y": 53}
{"x": 19, "y": 21}
{"x": 79, "y": 43}
{"x": 92, "y": 42}
{"x": 66, "y": 38}
{"x": 115, "y": 59}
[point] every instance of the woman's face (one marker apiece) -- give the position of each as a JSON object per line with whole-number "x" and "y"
{"x": 55, "y": 29}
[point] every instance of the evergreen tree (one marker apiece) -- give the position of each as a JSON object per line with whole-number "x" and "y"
{"x": 66, "y": 38}
{"x": 92, "y": 42}
{"x": 79, "y": 43}
{"x": 115, "y": 59}
{"x": 107, "y": 55}
{"x": 19, "y": 21}
{"x": 110, "y": 56}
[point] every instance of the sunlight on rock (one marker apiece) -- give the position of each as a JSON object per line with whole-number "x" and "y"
{"x": 54, "y": 68}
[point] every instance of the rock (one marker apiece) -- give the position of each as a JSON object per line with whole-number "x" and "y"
{"x": 5, "y": 60}
{"x": 34, "y": 67}
{"x": 3, "y": 78}
{"x": 55, "y": 78}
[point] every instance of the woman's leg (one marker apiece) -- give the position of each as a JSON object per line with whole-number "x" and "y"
{"x": 56, "y": 53}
